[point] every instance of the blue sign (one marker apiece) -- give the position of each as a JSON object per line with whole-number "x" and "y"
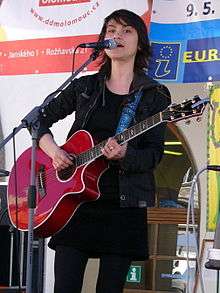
{"x": 164, "y": 62}
{"x": 202, "y": 60}
{"x": 185, "y": 52}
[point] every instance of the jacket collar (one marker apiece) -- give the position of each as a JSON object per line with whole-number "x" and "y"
{"x": 141, "y": 81}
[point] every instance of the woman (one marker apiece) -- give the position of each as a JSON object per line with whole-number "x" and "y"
{"x": 113, "y": 228}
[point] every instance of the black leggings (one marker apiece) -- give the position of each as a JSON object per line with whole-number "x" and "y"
{"x": 70, "y": 266}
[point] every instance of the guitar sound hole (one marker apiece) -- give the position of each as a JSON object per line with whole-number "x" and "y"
{"x": 66, "y": 173}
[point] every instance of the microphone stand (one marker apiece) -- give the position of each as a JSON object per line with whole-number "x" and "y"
{"x": 31, "y": 121}
{"x": 213, "y": 254}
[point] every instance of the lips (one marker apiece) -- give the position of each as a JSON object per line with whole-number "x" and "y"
{"x": 120, "y": 45}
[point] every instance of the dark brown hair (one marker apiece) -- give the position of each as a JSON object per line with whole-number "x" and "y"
{"x": 132, "y": 19}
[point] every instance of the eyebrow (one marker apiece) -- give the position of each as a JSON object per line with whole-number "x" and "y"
{"x": 112, "y": 25}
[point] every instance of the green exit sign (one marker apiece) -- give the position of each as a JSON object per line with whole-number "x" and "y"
{"x": 134, "y": 274}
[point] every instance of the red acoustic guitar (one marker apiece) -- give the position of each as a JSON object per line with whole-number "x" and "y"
{"x": 59, "y": 194}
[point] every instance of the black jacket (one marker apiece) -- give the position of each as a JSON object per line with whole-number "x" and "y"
{"x": 136, "y": 179}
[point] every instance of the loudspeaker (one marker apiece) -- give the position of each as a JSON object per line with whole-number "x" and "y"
{"x": 13, "y": 253}
{"x": 4, "y": 218}
{"x": 11, "y": 290}
{"x": 213, "y": 262}
{"x": 8, "y": 243}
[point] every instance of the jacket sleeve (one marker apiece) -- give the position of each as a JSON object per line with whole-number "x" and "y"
{"x": 148, "y": 151}
{"x": 61, "y": 106}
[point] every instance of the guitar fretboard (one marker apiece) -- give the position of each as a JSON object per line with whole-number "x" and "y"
{"x": 121, "y": 138}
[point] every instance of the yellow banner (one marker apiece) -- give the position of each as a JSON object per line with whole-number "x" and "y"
{"x": 214, "y": 158}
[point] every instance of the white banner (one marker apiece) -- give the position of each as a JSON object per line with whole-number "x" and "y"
{"x": 186, "y": 11}
{"x": 29, "y": 19}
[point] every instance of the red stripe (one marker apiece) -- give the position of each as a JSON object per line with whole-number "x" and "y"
{"x": 60, "y": 2}
{"x": 49, "y": 55}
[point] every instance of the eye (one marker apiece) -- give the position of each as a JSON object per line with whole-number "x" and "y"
{"x": 128, "y": 30}
{"x": 110, "y": 31}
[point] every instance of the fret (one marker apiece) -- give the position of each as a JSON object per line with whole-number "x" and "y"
{"x": 132, "y": 132}
{"x": 137, "y": 128}
{"x": 83, "y": 158}
{"x": 150, "y": 122}
{"x": 97, "y": 151}
{"x": 90, "y": 153}
{"x": 126, "y": 134}
{"x": 87, "y": 158}
{"x": 156, "y": 118}
{"x": 78, "y": 161}
{"x": 121, "y": 137}
{"x": 102, "y": 144}
{"x": 143, "y": 125}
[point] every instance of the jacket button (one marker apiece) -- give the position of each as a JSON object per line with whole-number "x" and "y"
{"x": 122, "y": 197}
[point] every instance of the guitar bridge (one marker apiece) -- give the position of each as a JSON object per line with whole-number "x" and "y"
{"x": 41, "y": 181}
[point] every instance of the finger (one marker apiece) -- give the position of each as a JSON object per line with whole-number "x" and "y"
{"x": 64, "y": 158}
{"x": 67, "y": 161}
{"x": 108, "y": 148}
{"x": 110, "y": 144}
{"x": 113, "y": 142}
{"x": 107, "y": 154}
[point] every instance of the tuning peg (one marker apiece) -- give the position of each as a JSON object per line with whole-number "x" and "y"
{"x": 198, "y": 119}
{"x": 187, "y": 122}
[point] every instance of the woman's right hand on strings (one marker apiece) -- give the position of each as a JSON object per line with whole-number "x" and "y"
{"x": 60, "y": 158}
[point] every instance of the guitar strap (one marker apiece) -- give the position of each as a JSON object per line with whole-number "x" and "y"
{"x": 128, "y": 113}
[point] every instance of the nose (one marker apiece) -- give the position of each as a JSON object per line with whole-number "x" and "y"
{"x": 117, "y": 34}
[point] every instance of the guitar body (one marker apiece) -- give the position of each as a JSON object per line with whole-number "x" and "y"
{"x": 58, "y": 194}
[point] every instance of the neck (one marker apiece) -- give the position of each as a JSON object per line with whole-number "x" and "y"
{"x": 122, "y": 70}
{"x": 121, "y": 77}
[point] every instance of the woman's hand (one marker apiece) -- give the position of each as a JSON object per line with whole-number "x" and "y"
{"x": 114, "y": 151}
{"x": 61, "y": 159}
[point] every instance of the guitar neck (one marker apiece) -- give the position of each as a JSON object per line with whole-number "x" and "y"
{"x": 121, "y": 138}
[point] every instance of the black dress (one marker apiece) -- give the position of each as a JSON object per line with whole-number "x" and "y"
{"x": 102, "y": 227}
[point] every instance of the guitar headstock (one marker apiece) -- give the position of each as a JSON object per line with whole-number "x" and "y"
{"x": 185, "y": 110}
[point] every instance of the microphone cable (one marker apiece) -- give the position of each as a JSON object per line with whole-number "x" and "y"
{"x": 73, "y": 59}
{"x": 191, "y": 209}
{"x": 17, "y": 232}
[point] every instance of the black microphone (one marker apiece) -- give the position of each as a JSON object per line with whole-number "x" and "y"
{"x": 106, "y": 44}
{"x": 213, "y": 168}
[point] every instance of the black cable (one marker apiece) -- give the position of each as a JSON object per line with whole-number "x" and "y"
{"x": 73, "y": 61}
{"x": 15, "y": 180}
{"x": 16, "y": 213}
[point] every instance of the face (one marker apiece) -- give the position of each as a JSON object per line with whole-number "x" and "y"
{"x": 126, "y": 37}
